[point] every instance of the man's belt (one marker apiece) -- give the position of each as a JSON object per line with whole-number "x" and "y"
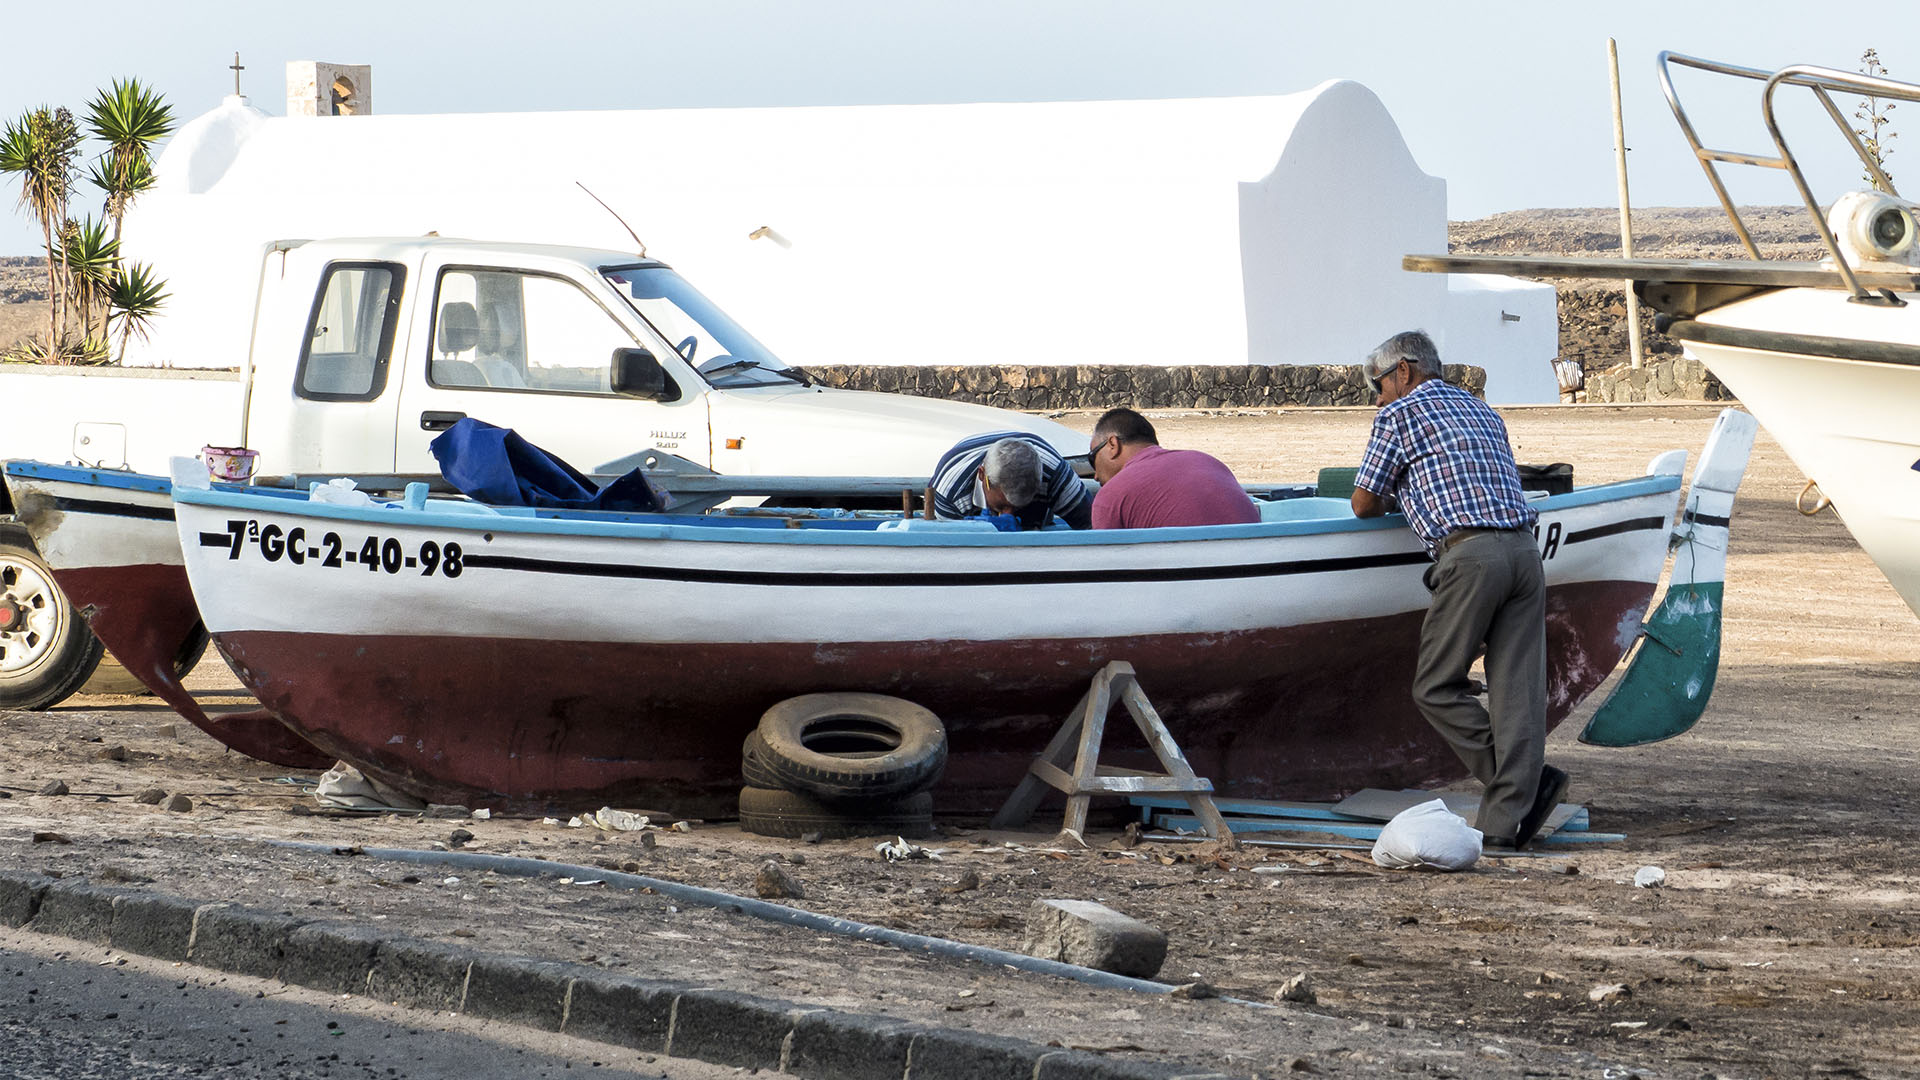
{"x": 1446, "y": 542}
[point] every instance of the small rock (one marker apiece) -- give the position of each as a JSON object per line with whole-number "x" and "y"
{"x": 1130, "y": 838}
{"x": 483, "y": 814}
{"x": 55, "y": 787}
{"x": 1649, "y": 877}
{"x": 967, "y": 882}
{"x": 1698, "y": 964}
{"x": 1678, "y": 1023}
{"x": 6, "y": 794}
{"x": 447, "y": 810}
{"x": 796, "y": 858}
{"x": 774, "y": 883}
{"x": 1548, "y": 978}
{"x": 812, "y": 837}
{"x": 1298, "y": 989}
{"x": 110, "y": 753}
{"x": 50, "y": 838}
{"x": 459, "y": 838}
{"x": 1569, "y": 869}
{"x": 179, "y": 804}
{"x": 647, "y": 841}
{"x": 1357, "y": 960}
{"x": 168, "y": 731}
{"x": 630, "y": 867}
{"x": 150, "y": 796}
{"x": 1197, "y": 990}
{"x": 1094, "y": 935}
{"x": 1609, "y": 993}
{"x": 1407, "y": 920}
{"x": 1300, "y": 1064}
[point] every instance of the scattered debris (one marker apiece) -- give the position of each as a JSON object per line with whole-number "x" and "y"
{"x": 1298, "y": 989}
{"x": 1548, "y": 978}
{"x": 1300, "y": 1064}
{"x": 647, "y": 841}
{"x": 459, "y": 838}
{"x": 772, "y": 882}
{"x": 812, "y": 837}
{"x": 607, "y": 819}
{"x": 1700, "y": 964}
{"x": 54, "y": 787}
{"x": 1070, "y": 838}
{"x": 968, "y": 881}
{"x": 347, "y": 788}
{"x": 683, "y": 826}
{"x": 1649, "y": 877}
{"x": 51, "y": 838}
{"x": 1094, "y": 935}
{"x": 575, "y": 822}
{"x": 1198, "y": 990}
{"x": 115, "y": 752}
{"x": 168, "y": 731}
{"x": 1130, "y": 837}
{"x": 151, "y": 796}
{"x": 899, "y": 850}
{"x": 447, "y": 810}
{"x": 179, "y": 804}
{"x": 482, "y": 814}
{"x": 1609, "y": 993}
{"x": 796, "y": 858}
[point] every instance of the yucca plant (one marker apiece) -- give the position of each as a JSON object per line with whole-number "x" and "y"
{"x": 129, "y": 118}
{"x": 93, "y": 260}
{"x": 40, "y": 148}
{"x": 136, "y": 297}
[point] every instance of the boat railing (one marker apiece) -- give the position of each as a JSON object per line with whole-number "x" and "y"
{"x": 1822, "y": 83}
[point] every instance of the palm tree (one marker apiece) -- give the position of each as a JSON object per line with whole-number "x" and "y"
{"x": 41, "y": 146}
{"x": 135, "y": 297}
{"x": 129, "y": 118}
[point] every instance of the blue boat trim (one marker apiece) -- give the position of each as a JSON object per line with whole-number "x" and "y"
{"x": 473, "y": 518}
{"x": 106, "y": 478}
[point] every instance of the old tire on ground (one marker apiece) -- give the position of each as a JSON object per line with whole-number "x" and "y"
{"x": 111, "y": 678}
{"x": 753, "y": 763}
{"x": 789, "y": 814}
{"x": 46, "y": 650}
{"x": 852, "y": 748}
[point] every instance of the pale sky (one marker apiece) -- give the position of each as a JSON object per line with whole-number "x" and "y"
{"x": 1507, "y": 101}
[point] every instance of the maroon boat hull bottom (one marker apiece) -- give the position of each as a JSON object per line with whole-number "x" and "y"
{"x": 545, "y": 726}
{"x": 145, "y": 616}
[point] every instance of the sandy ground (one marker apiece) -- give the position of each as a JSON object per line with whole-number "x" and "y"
{"x": 1784, "y": 943}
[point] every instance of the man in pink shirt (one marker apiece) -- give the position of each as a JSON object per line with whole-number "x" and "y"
{"x": 1143, "y": 485}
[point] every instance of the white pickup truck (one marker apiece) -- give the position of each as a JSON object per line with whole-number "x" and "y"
{"x": 362, "y": 350}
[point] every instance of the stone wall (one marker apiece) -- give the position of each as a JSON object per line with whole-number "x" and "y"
{"x": 1049, "y": 388}
{"x": 1662, "y": 378}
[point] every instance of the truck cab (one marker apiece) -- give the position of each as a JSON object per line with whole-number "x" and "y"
{"x": 364, "y": 350}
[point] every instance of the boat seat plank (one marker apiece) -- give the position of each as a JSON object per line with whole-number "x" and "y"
{"x": 1772, "y": 273}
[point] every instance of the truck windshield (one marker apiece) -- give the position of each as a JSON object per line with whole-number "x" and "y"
{"x": 717, "y": 347}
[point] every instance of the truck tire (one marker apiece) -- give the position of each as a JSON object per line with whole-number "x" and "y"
{"x": 111, "y": 678}
{"x": 46, "y": 650}
{"x": 791, "y": 815}
{"x": 852, "y": 748}
{"x": 753, "y": 763}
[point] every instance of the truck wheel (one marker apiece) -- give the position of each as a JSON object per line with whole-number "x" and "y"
{"x": 851, "y": 748}
{"x": 111, "y": 678}
{"x": 46, "y": 650}
{"x": 791, "y": 815}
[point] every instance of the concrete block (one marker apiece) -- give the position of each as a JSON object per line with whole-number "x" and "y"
{"x": 726, "y": 1028}
{"x": 79, "y": 910}
{"x": 622, "y": 1011}
{"x": 20, "y": 895}
{"x": 242, "y": 940}
{"x": 850, "y": 1046}
{"x": 516, "y": 990}
{"x": 1093, "y": 935}
{"x": 333, "y": 957}
{"x": 944, "y": 1054}
{"x": 153, "y": 924}
{"x": 420, "y": 974}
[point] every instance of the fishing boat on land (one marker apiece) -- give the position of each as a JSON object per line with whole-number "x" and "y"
{"x": 537, "y": 660}
{"x": 1825, "y": 353}
{"x": 109, "y": 539}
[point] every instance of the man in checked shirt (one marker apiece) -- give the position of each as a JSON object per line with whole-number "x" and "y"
{"x": 1444, "y": 455}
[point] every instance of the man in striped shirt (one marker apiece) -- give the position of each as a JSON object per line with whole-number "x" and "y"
{"x": 1444, "y": 454}
{"x": 1008, "y": 473}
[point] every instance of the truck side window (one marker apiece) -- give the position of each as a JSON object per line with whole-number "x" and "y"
{"x": 350, "y": 334}
{"x": 507, "y": 330}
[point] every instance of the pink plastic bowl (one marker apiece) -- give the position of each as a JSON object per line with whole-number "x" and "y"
{"x": 230, "y": 463}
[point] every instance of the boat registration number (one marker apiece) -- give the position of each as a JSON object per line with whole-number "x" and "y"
{"x": 330, "y": 550}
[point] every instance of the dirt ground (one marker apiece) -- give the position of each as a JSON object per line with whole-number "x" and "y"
{"x": 1785, "y": 942}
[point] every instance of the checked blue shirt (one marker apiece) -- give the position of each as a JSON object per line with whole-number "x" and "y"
{"x": 1445, "y": 455}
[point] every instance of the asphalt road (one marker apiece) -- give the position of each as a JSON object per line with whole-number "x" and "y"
{"x": 77, "y": 1012}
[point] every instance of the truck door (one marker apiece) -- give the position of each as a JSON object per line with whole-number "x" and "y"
{"x": 533, "y": 351}
{"x": 341, "y": 417}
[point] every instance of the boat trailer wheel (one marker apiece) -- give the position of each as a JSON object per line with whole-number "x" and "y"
{"x": 46, "y": 650}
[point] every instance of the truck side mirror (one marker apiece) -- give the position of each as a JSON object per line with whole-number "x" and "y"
{"x": 637, "y": 374}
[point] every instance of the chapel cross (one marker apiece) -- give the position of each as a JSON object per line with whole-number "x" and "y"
{"x": 237, "y": 67}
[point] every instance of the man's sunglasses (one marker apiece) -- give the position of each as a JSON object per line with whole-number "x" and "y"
{"x": 1374, "y": 381}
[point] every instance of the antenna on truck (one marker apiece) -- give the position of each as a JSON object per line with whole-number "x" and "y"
{"x": 616, "y": 216}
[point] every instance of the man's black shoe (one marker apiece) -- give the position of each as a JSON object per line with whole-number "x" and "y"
{"x": 1553, "y": 788}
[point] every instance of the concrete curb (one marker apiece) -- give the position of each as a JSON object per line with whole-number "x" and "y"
{"x": 722, "y": 1027}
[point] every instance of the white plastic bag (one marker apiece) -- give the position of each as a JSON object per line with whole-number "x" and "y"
{"x": 340, "y": 491}
{"x": 1428, "y": 835}
{"x": 348, "y": 788}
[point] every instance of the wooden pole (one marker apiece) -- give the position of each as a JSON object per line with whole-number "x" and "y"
{"x": 1626, "y": 218}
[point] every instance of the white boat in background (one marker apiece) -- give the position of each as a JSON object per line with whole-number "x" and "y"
{"x": 1826, "y": 354}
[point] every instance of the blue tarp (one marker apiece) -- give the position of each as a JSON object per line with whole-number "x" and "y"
{"x": 495, "y": 465}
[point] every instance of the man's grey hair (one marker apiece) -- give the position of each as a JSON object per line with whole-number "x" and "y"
{"x": 1413, "y": 346}
{"x": 1013, "y": 466}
